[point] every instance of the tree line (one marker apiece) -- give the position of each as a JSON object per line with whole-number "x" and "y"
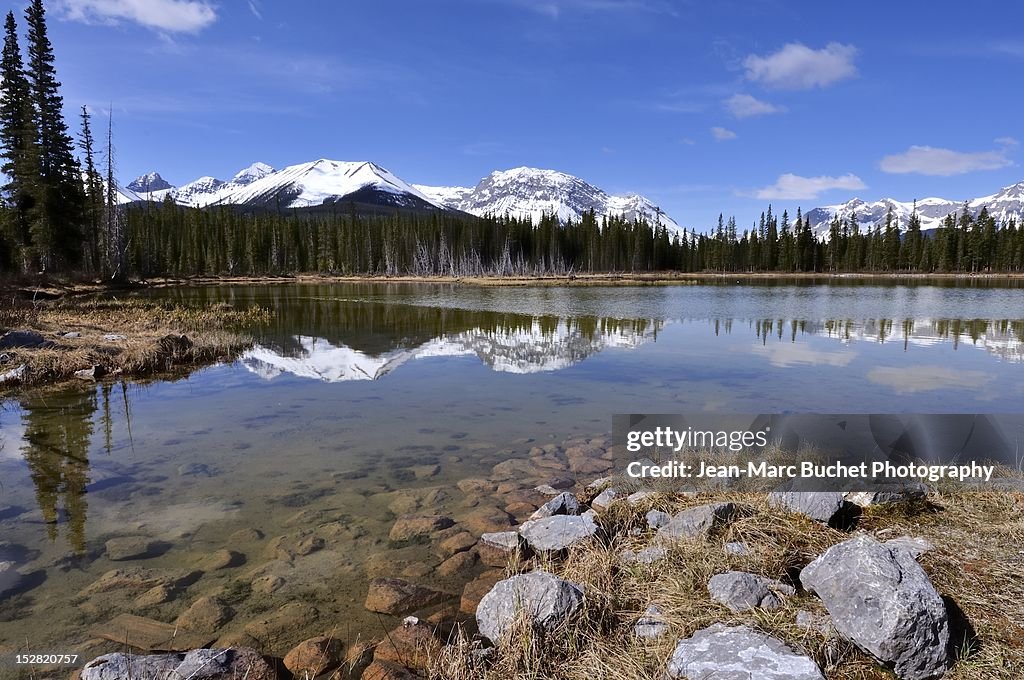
{"x": 59, "y": 213}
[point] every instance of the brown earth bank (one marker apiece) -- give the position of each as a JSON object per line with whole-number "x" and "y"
{"x": 58, "y": 337}
{"x": 582, "y": 578}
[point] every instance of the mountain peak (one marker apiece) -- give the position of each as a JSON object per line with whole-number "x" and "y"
{"x": 151, "y": 181}
{"x": 252, "y": 173}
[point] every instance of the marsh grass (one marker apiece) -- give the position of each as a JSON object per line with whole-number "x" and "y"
{"x": 977, "y": 566}
{"x": 214, "y": 332}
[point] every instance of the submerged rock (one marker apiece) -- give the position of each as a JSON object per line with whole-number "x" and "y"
{"x": 411, "y": 526}
{"x": 545, "y": 600}
{"x": 738, "y": 653}
{"x": 10, "y": 578}
{"x": 129, "y": 548}
{"x": 396, "y": 596}
{"x": 883, "y": 601}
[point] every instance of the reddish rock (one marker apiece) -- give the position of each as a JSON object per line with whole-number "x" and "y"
{"x": 476, "y": 589}
{"x": 385, "y": 670}
{"x": 413, "y": 644}
{"x": 395, "y": 596}
{"x": 457, "y": 563}
{"x": 458, "y": 543}
{"x": 411, "y": 527}
{"x": 314, "y": 656}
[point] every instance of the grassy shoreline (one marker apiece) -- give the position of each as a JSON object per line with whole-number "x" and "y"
{"x": 92, "y": 339}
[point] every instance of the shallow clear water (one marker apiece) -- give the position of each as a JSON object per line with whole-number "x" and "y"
{"x": 352, "y": 389}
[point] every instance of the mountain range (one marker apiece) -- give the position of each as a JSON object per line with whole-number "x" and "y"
{"x": 521, "y": 192}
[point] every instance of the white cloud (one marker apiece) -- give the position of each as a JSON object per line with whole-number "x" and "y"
{"x": 798, "y": 67}
{"x": 173, "y": 16}
{"x": 721, "y": 134}
{"x": 1006, "y": 141}
{"x": 254, "y": 7}
{"x": 747, "y": 106}
{"x": 794, "y": 187}
{"x": 929, "y": 160}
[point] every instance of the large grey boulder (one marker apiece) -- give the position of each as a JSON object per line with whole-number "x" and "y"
{"x": 656, "y": 519}
{"x": 883, "y": 601}
{"x": 700, "y": 521}
{"x": 740, "y": 591}
{"x": 199, "y": 664}
{"x": 552, "y": 534}
{"x": 544, "y": 599}
{"x": 562, "y": 504}
{"x": 738, "y": 653}
{"x": 828, "y": 507}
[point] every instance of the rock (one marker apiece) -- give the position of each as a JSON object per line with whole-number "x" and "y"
{"x": 737, "y": 549}
{"x": 828, "y": 507}
{"x": 651, "y": 624}
{"x": 458, "y": 543}
{"x": 475, "y": 485}
{"x": 915, "y": 546}
{"x": 553, "y": 534}
{"x": 604, "y": 499}
{"x": 222, "y": 559}
{"x": 198, "y": 664}
{"x": 358, "y": 657}
{"x": 600, "y": 483}
{"x": 882, "y": 600}
{"x": 139, "y": 632}
{"x": 386, "y": 670}
{"x": 738, "y": 653}
{"x": 475, "y": 590}
{"x": 562, "y": 504}
{"x": 547, "y": 490}
{"x": 174, "y": 344}
{"x": 94, "y": 372}
{"x": 425, "y": 471}
{"x": 639, "y": 497}
{"x": 265, "y": 585}
{"x": 207, "y": 614}
{"x": 114, "y": 337}
{"x": 544, "y": 599}
{"x": 496, "y": 549}
{"x": 312, "y": 657}
{"x": 457, "y": 563}
{"x": 700, "y": 521}
{"x": 129, "y": 548}
{"x": 590, "y": 466}
{"x": 819, "y": 622}
{"x": 14, "y": 375}
{"x": 249, "y": 535}
{"x": 411, "y": 527}
{"x": 280, "y": 624}
{"x": 396, "y": 596}
{"x": 413, "y": 645}
{"x": 156, "y": 595}
{"x": 888, "y": 493}
{"x": 71, "y": 335}
{"x": 486, "y": 519}
{"x": 740, "y": 591}
{"x": 21, "y": 340}
{"x": 657, "y": 519}
{"x": 138, "y": 579}
{"x": 648, "y": 555}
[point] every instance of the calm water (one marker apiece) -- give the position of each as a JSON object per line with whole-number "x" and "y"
{"x": 333, "y": 425}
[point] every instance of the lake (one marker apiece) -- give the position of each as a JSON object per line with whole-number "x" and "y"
{"x": 361, "y": 403}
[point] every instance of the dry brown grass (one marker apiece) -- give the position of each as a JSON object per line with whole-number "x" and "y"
{"x": 215, "y": 333}
{"x": 978, "y": 564}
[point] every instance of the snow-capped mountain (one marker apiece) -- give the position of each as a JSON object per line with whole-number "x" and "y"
{"x": 151, "y": 181}
{"x": 531, "y": 192}
{"x": 1005, "y": 204}
{"x": 325, "y": 181}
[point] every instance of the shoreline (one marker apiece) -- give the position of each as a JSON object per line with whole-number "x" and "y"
{"x": 62, "y": 288}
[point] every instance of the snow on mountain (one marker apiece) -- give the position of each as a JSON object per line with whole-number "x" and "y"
{"x": 1005, "y": 204}
{"x": 150, "y": 182}
{"x": 252, "y": 173}
{"x": 324, "y": 181}
{"x": 531, "y": 192}
{"x": 198, "y": 193}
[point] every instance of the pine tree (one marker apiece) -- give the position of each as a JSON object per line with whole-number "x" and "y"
{"x": 56, "y": 229}
{"x": 18, "y": 146}
{"x": 93, "y": 195}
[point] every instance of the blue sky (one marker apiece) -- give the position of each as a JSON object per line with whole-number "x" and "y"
{"x": 703, "y": 107}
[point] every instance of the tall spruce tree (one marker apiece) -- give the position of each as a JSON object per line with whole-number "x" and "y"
{"x": 56, "y": 228}
{"x": 93, "y": 196}
{"x": 18, "y": 147}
